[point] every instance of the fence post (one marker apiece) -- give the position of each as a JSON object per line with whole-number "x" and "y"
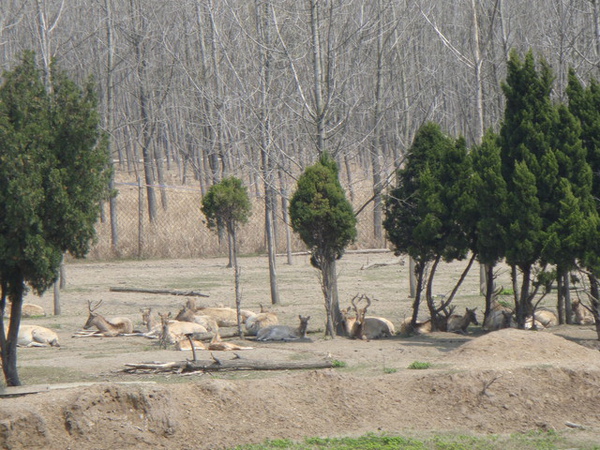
{"x": 140, "y": 218}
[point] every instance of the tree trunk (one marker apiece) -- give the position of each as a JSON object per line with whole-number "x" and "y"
{"x": 595, "y": 299}
{"x": 420, "y": 276}
{"x": 8, "y": 345}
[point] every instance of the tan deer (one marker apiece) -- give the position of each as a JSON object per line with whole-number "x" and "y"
{"x": 261, "y": 320}
{"x": 107, "y": 327}
{"x": 362, "y": 326}
{"x": 583, "y": 316}
{"x": 284, "y": 332}
{"x": 225, "y": 317}
{"x": 216, "y": 344}
{"x": 188, "y": 315}
{"x": 174, "y": 331}
{"x": 459, "y": 324}
{"x": 36, "y": 336}
{"x": 498, "y": 319}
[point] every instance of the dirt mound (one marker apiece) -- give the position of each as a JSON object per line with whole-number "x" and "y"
{"x": 512, "y": 347}
{"x": 215, "y": 413}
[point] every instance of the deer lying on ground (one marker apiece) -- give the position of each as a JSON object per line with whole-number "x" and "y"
{"x": 153, "y": 326}
{"x": 284, "y": 332}
{"x": 27, "y": 310}
{"x": 499, "y": 319}
{"x": 173, "y": 331}
{"x": 459, "y": 324}
{"x": 261, "y": 320}
{"x": 216, "y": 344}
{"x": 107, "y": 327}
{"x": 36, "y": 336}
{"x": 406, "y": 327}
{"x": 225, "y": 317}
{"x": 545, "y": 318}
{"x": 583, "y": 316}
{"x": 362, "y": 326}
{"x": 188, "y": 315}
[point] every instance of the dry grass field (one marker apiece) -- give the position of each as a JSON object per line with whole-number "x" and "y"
{"x": 496, "y": 383}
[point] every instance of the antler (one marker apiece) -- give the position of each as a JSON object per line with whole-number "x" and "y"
{"x": 353, "y": 302}
{"x": 95, "y": 307}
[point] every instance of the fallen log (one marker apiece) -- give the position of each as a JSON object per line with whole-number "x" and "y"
{"x": 216, "y": 364}
{"x": 159, "y": 291}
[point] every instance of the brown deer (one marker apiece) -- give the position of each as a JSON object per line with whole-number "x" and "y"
{"x": 36, "y": 336}
{"x": 113, "y": 327}
{"x": 362, "y": 326}
{"x": 284, "y": 332}
{"x": 459, "y": 324}
{"x": 498, "y": 319}
{"x": 583, "y": 316}
{"x": 261, "y": 320}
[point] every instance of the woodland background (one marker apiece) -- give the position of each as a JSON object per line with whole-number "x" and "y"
{"x": 193, "y": 90}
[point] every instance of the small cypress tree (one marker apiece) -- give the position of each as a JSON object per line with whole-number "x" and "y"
{"x": 325, "y": 221}
{"x": 227, "y": 203}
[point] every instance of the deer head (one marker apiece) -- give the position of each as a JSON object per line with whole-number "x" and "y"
{"x": 92, "y": 315}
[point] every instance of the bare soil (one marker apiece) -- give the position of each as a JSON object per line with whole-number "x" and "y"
{"x": 501, "y": 382}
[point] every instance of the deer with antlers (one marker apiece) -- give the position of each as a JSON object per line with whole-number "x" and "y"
{"x": 362, "y": 326}
{"x": 117, "y": 326}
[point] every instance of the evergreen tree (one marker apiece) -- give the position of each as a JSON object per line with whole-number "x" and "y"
{"x": 422, "y": 211}
{"x": 484, "y": 206}
{"x": 227, "y": 204}
{"x": 53, "y": 176}
{"x": 529, "y": 169}
{"x": 325, "y": 221}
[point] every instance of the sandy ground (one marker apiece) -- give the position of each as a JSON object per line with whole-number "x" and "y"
{"x": 502, "y": 382}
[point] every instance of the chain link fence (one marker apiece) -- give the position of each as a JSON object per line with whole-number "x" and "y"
{"x": 179, "y": 229}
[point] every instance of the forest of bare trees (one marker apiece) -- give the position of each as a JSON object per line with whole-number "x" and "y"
{"x": 258, "y": 89}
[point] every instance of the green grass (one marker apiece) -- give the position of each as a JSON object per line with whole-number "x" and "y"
{"x": 388, "y": 370}
{"x": 437, "y": 441}
{"x": 419, "y": 365}
{"x": 48, "y": 375}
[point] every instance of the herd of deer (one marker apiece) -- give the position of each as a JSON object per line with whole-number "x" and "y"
{"x": 194, "y": 321}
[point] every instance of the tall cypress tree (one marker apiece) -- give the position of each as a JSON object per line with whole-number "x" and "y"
{"x": 53, "y": 176}
{"x": 528, "y": 168}
{"x": 421, "y": 212}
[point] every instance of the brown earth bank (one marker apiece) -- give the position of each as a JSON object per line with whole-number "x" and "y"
{"x": 474, "y": 388}
{"x": 501, "y": 382}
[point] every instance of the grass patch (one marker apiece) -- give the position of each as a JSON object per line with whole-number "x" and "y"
{"x": 441, "y": 441}
{"x": 419, "y": 365}
{"x": 48, "y": 375}
{"x": 387, "y": 370}
{"x": 338, "y": 364}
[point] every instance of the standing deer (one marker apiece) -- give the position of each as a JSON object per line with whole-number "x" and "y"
{"x": 284, "y": 332}
{"x": 113, "y": 327}
{"x": 459, "y": 324}
{"x": 362, "y": 326}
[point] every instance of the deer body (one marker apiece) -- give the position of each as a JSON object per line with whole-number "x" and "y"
{"x": 362, "y": 326}
{"x": 261, "y": 320}
{"x": 459, "y": 324}
{"x": 583, "y": 316}
{"x": 36, "y": 336}
{"x": 499, "y": 319}
{"x": 284, "y": 332}
{"x": 216, "y": 344}
{"x": 188, "y": 315}
{"x": 113, "y": 327}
